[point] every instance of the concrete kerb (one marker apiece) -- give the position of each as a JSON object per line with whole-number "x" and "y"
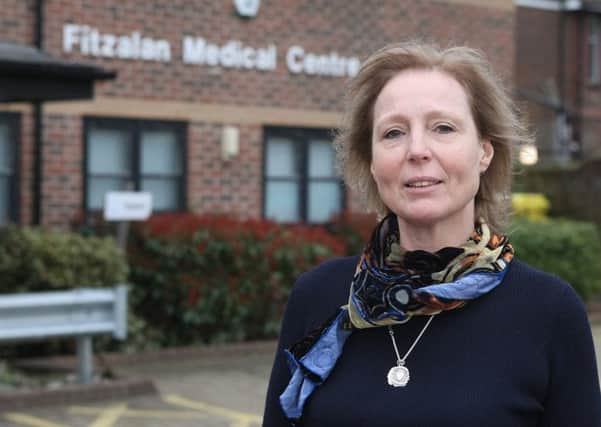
{"x": 112, "y": 389}
{"x": 109, "y": 390}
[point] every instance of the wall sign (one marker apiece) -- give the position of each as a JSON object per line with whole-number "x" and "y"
{"x": 127, "y": 205}
{"x": 90, "y": 41}
{"x": 247, "y": 8}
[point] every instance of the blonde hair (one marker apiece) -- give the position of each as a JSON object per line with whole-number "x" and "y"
{"x": 495, "y": 115}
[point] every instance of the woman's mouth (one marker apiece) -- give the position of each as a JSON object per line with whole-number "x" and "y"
{"x": 422, "y": 182}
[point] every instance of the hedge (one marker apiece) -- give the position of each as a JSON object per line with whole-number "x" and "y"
{"x": 566, "y": 248}
{"x": 34, "y": 259}
{"x": 211, "y": 279}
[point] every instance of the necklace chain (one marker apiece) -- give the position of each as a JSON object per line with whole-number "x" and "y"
{"x": 401, "y": 360}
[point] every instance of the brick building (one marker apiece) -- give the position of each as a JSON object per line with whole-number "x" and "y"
{"x": 558, "y": 74}
{"x": 211, "y": 110}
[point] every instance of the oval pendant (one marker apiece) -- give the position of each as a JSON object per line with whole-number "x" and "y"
{"x": 398, "y": 376}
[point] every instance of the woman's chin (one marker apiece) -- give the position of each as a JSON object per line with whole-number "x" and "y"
{"x": 422, "y": 215}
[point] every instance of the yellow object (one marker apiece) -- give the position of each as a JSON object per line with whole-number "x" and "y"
{"x": 534, "y": 206}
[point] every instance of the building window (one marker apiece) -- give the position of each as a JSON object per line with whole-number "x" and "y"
{"x": 135, "y": 154}
{"x": 300, "y": 176}
{"x": 9, "y": 135}
{"x": 594, "y": 74}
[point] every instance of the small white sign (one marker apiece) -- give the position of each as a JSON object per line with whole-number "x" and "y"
{"x": 127, "y": 205}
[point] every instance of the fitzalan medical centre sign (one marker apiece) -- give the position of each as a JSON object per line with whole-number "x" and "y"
{"x": 89, "y": 41}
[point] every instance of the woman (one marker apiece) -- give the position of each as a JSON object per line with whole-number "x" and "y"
{"x": 436, "y": 324}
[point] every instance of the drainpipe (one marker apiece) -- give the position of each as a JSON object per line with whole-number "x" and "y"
{"x": 563, "y": 150}
{"x": 38, "y": 125}
{"x": 561, "y": 57}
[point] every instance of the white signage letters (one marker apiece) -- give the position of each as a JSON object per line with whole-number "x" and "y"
{"x": 233, "y": 54}
{"x": 299, "y": 61}
{"x": 89, "y": 41}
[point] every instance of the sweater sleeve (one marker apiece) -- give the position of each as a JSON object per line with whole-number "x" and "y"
{"x": 573, "y": 397}
{"x": 292, "y": 330}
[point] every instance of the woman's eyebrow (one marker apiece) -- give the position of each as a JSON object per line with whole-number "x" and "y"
{"x": 443, "y": 113}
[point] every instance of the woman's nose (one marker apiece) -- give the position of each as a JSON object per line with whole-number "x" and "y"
{"x": 419, "y": 149}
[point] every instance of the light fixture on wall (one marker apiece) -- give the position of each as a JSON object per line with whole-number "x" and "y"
{"x": 528, "y": 155}
{"x": 230, "y": 142}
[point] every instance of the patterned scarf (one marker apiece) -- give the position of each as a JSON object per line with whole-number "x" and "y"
{"x": 389, "y": 286}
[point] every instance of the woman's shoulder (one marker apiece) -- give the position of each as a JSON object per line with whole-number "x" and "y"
{"x": 336, "y": 272}
{"x": 325, "y": 285}
{"x": 543, "y": 288}
{"x": 522, "y": 272}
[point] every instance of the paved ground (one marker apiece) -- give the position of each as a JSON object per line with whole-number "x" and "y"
{"x": 216, "y": 391}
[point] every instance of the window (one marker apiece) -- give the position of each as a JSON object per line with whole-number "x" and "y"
{"x": 592, "y": 44}
{"x": 138, "y": 155}
{"x": 300, "y": 177}
{"x": 9, "y": 131}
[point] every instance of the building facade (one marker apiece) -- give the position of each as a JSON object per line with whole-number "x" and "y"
{"x": 218, "y": 106}
{"x": 558, "y": 75}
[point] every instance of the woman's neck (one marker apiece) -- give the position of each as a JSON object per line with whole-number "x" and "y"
{"x": 433, "y": 237}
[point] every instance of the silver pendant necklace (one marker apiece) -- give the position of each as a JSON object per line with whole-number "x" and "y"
{"x": 398, "y": 376}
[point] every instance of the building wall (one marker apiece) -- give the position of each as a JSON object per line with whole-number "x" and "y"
{"x": 17, "y": 21}
{"x": 541, "y": 70}
{"x": 537, "y": 70}
{"x": 207, "y": 97}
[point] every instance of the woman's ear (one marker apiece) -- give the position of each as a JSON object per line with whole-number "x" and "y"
{"x": 488, "y": 151}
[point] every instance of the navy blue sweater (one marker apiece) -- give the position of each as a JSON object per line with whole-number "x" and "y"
{"x": 519, "y": 356}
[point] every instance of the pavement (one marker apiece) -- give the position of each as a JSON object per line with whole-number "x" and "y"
{"x": 220, "y": 389}
{"x": 216, "y": 390}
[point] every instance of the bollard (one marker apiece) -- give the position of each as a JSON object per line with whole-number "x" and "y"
{"x": 85, "y": 363}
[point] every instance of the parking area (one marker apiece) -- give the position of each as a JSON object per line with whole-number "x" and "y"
{"x": 217, "y": 391}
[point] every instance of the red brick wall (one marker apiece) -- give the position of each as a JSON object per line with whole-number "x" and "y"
{"x": 589, "y": 97}
{"x": 224, "y": 186}
{"x": 26, "y": 168}
{"x": 349, "y": 27}
{"x": 538, "y": 64}
{"x": 63, "y": 181}
{"x": 16, "y": 21}
{"x": 536, "y": 67}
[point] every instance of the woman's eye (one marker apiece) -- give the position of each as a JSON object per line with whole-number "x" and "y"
{"x": 444, "y": 128}
{"x": 393, "y": 133}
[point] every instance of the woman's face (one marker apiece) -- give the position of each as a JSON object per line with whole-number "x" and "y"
{"x": 426, "y": 153}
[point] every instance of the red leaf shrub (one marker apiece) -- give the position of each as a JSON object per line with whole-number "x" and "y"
{"x": 214, "y": 278}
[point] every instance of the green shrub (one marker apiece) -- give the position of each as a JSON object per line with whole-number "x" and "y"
{"x": 210, "y": 279}
{"x": 568, "y": 249}
{"x": 34, "y": 259}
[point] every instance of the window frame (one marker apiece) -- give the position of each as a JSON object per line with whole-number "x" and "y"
{"x": 300, "y": 137}
{"x": 135, "y": 127}
{"x": 14, "y": 128}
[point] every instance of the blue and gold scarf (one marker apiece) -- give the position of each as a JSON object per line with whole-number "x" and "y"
{"x": 389, "y": 286}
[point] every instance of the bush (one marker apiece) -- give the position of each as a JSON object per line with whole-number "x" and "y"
{"x": 568, "y": 249}
{"x": 214, "y": 279}
{"x": 35, "y": 260}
